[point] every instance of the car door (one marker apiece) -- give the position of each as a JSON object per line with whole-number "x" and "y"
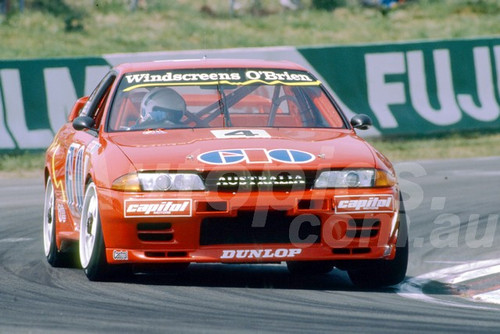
{"x": 83, "y": 144}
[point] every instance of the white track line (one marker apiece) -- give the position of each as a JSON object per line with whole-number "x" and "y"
{"x": 413, "y": 288}
{"x": 470, "y": 275}
{"x": 12, "y": 240}
{"x": 488, "y": 297}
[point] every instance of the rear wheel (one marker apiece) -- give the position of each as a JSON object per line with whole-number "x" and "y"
{"x": 92, "y": 250}
{"x": 54, "y": 256}
{"x": 380, "y": 273}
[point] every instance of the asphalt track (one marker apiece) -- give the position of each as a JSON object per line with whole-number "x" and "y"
{"x": 453, "y": 207}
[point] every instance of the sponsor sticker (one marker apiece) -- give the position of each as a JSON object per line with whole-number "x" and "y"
{"x": 267, "y": 253}
{"x": 255, "y": 155}
{"x": 218, "y": 77}
{"x": 260, "y": 180}
{"x": 154, "y": 132}
{"x": 178, "y": 207}
{"x": 120, "y": 255}
{"x": 364, "y": 203}
{"x": 93, "y": 146}
{"x": 231, "y": 76}
{"x": 61, "y": 213}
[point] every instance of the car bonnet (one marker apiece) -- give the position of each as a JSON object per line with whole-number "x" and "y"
{"x": 244, "y": 148}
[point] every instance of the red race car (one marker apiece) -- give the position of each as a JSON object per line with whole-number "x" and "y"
{"x": 227, "y": 161}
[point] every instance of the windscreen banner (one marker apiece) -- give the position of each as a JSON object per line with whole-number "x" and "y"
{"x": 417, "y": 88}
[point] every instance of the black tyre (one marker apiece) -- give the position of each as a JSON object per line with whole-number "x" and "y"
{"x": 55, "y": 257}
{"x": 380, "y": 273}
{"x": 92, "y": 249}
{"x": 309, "y": 267}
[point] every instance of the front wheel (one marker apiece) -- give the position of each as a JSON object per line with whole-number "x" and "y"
{"x": 309, "y": 267}
{"x": 92, "y": 249}
{"x": 380, "y": 273}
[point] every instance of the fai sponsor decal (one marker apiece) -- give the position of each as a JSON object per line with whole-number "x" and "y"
{"x": 158, "y": 208}
{"x": 255, "y": 155}
{"x": 364, "y": 203}
{"x": 267, "y": 253}
{"x": 120, "y": 255}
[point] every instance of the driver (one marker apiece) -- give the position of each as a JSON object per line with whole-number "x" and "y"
{"x": 163, "y": 107}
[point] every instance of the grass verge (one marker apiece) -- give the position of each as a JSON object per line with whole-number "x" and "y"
{"x": 452, "y": 146}
{"x": 25, "y": 164}
{"x": 110, "y": 27}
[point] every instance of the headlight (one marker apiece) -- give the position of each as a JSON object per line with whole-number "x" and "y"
{"x": 159, "y": 182}
{"x": 354, "y": 178}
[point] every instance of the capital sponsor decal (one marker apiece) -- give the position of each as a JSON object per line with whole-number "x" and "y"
{"x": 255, "y": 155}
{"x": 364, "y": 204}
{"x": 266, "y": 253}
{"x": 120, "y": 255}
{"x": 178, "y": 207}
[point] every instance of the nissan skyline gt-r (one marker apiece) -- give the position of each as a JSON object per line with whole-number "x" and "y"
{"x": 220, "y": 161}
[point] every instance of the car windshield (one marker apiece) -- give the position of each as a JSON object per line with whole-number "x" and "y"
{"x": 214, "y": 98}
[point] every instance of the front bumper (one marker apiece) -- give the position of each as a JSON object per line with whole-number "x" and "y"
{"x": 247, "y": 227}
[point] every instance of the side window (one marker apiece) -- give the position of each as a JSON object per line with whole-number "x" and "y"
{"x": 100, "y": 108}
{"x": 97, "y": 101}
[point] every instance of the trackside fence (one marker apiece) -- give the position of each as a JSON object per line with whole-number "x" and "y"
{"x": 416, "y": 88}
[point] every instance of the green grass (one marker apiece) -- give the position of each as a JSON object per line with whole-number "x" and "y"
{"x": 22, "y": 164}
{"x": 110, "y": 27}
{"x": 445, "y": 147}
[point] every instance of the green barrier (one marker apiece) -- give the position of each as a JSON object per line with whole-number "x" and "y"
{"x": 37, "y": 95}
{"x": 417, "y": 88}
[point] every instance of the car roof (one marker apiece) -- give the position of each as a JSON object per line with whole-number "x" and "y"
{"x": 207, "y": 63}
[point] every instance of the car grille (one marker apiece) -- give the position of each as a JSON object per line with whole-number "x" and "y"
{"x": 260, "y": 227}
{"x": 241, "y": 181}
{"x": 363, "y": 228}
{"x": 155, "y": 232}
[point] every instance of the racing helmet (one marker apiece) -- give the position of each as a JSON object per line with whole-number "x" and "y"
{"x": 162, "y": 104}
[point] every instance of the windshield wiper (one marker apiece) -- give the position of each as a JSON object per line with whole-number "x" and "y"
{"x": 223, "y": 107}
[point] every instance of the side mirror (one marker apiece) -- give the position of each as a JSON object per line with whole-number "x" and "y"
{"x": 361, "y": 122}
{"x": 77, "y": 107}
{"x": 83, "y": 122}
